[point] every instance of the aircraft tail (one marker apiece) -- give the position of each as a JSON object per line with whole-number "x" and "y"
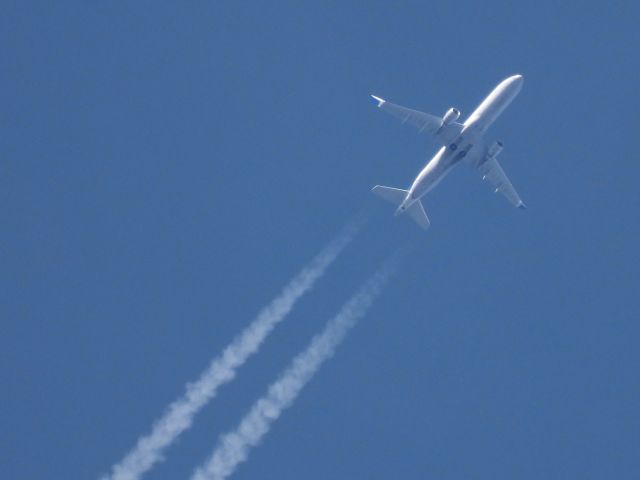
{"x": 397, "y": 197}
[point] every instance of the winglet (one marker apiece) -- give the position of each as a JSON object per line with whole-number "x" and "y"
{"x": 378, "y": 99}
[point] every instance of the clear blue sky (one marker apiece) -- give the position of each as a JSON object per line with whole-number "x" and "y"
{"x": 166, "y": 168}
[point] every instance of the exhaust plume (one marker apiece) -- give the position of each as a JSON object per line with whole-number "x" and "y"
{"x": 234, "y": 447}
{"x": 179, "y": 416}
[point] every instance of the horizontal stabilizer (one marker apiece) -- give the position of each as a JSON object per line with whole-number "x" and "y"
{"x": 390, "y": 194}
{"x": 397, "y": 196}
{"x": 416, "y": 211}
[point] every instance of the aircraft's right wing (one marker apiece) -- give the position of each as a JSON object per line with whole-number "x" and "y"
{"x": 424, "y": 122}
{"x": 493, "y": 173}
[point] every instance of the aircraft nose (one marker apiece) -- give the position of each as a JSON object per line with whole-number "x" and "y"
{"x": 515, "y": 82}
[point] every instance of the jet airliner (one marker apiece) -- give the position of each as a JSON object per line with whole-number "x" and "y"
{"x": 462, "y": 143}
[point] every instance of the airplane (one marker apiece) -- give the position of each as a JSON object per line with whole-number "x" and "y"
{"x": 461, "y": 141}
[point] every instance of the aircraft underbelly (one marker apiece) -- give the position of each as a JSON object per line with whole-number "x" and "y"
{"x": 493, "y": 106}
{"x": 430, "y": 181}
{"x": 432, "y": 174}
{"x": 440, "y": 166}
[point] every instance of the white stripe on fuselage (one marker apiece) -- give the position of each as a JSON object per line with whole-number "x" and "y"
{"x": 469, "y": 144}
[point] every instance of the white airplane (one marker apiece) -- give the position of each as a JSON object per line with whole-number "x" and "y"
{"x": 461, "y": 141}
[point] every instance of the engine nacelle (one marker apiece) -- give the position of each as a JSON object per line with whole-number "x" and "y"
{"x": 495, "y": 149}
{"x": 451, "y": 116}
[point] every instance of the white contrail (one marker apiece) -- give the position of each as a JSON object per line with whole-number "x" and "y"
{"x": 179, "y": 415}
{"x": 233, "y": 448}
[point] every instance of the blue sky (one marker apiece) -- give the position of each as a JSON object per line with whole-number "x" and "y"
{"x": 167, "y": 168}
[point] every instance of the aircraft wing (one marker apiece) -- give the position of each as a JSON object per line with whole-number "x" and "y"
{"x": 424, "y": 122}
{"x": 494, "y": 174}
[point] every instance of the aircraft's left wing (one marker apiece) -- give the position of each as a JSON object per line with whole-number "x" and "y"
{"x": 493, "y": 173}
{"x": 424, "y": 122}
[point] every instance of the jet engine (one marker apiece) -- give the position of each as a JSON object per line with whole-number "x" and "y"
{"x": 451, "y": 116}
{"x": 495, "y": 149}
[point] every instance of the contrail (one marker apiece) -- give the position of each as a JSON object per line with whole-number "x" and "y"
{"x": 233, "y": 448}
{"x": 180, "y": 414}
